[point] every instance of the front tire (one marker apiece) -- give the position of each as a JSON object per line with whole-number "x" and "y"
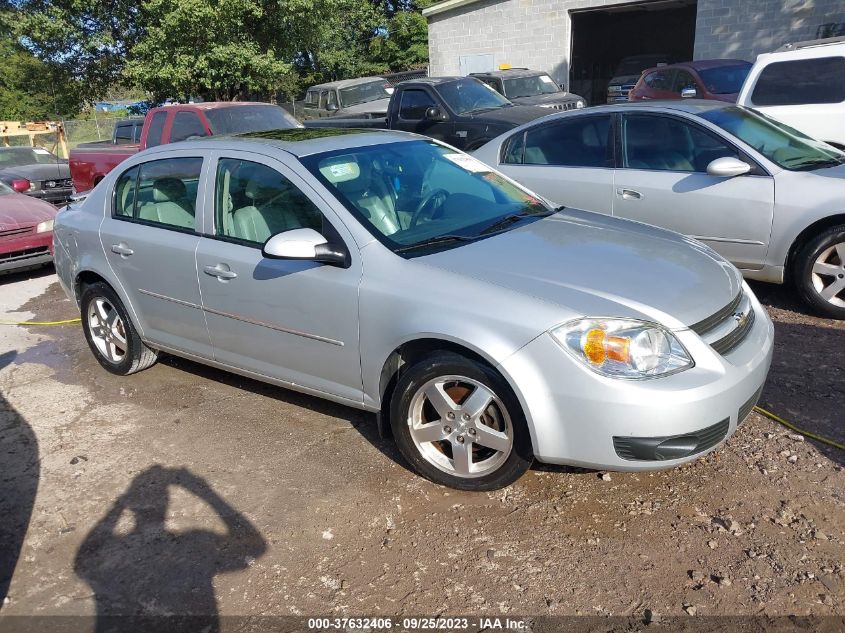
{"x": 820, "y": 272}
{"x": 110, "y": 333}
{"x": 458, "y": 424}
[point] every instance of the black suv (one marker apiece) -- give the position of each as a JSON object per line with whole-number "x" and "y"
{"x": 530, "y": 87}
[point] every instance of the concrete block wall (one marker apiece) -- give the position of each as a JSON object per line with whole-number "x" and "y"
{"x": 745, "y": 28}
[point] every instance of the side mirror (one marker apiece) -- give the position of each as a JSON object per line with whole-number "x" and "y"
{"x": 727, "y": 167}
{"x": 435, "y": 114}
{"x": 304, "y": 244}
{"x": 689, "y": 93}
{"x": 332, "y": 107}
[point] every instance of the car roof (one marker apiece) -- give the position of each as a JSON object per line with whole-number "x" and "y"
{"x": 299, "y": 142}
{"x": 510, "y": 72}
{"x": 702, "y": 64}
{"x": 346, "y": 83}
{"x": 434, "y": 81}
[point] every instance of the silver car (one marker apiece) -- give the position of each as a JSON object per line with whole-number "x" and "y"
{"x": 395, "y": 274}
{"x": 761, "y": 194}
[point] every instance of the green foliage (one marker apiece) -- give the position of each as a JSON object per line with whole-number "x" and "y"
{"x": 405, "y": 42}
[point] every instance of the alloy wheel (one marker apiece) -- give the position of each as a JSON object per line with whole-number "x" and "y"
{"x": 107, "y": 330}
{"x": 828, "y": 275}
{"x": 460, "y": 426}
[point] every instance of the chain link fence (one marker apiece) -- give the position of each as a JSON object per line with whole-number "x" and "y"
{"x": 97, "y": 128}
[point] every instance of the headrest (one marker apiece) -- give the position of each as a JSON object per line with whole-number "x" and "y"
{"x": 168, "y": 190}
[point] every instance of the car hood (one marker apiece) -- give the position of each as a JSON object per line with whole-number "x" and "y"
{"x": 837, "y": 173}
{"x": 510, "y": 115}
{"x": 595, "y": 265}
{"x": 555, "y": 97}
{"x": 37, "y": 172}
{"x": 379, "y": 106}
{"x": 17, "y": 210}
{"x": 621, "y": 80}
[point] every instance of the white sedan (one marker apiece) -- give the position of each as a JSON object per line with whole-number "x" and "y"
{"x": 764, "y": 196}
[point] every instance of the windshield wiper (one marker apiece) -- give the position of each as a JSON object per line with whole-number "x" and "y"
{"x": 506, "y": 221}
{"x": 433, "y": 241}
{"x": 819, "y": 162}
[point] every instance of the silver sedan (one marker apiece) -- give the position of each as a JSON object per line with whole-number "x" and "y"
{"x": 394, "y": 274}
{"x": 763, "y": 195}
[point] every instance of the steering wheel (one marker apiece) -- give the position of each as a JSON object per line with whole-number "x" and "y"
{"x": 434, "y": 200}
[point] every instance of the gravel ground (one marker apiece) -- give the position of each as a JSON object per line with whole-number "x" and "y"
{"x": 185, "y": 490}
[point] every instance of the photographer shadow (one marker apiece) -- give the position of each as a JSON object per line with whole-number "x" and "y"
{"x": 148, "y": 578}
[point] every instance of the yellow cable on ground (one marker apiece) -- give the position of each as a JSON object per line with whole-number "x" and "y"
{"x": 77, "y": 320}
{"x": 789, "y": 425}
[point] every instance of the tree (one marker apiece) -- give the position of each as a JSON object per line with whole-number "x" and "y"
{"x": 404, "y": 42}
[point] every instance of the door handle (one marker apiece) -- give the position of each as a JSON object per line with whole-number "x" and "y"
{"x": 121, "y": 249}
{"x": 629, "y": 194}
{"x": 220, "y": 272}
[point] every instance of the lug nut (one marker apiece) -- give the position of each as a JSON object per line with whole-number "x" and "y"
{"x": 472, "y": 431}
{"x": 447, "y": 429}
{"x": 450, "y": 415}
{"x": 466, "y": 416}
{"x": 460, "y": 439}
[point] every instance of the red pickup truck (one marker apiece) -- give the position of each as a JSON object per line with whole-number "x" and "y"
{"x": 89, "y": 163}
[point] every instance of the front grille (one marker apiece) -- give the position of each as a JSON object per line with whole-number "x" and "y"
{"x": 670, "y": 447}
{"x": 714, "y": 320}
{"x": 745, "y": 410}
{"x": 25, "y": 254}
{"x": 64, "y": 183}
{"x": 729, "y": 342}
{"x": 10, "y": 233}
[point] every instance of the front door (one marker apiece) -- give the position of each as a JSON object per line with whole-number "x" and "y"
{"x": 663, "y": 181}
{"x": 294, "y": 321}
{"x": 149, "y": 238}
{"x": 410, "y": 116}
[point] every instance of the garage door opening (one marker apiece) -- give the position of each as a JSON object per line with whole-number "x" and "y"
{"x": 602, "y": 39}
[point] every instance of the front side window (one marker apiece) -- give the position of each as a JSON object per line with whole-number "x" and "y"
{"x": 469, "y": 95}
{"x": 254, "y": 202}
{"x": 530, "y": 86}
{"x": 660, "y": 143}
{"x": 414, "y": 103}
{"x": 156, "y": 129}
{"x": 683, "y": 80}
{"x": 801, "y": 81}
{"x": 186, "y": 125}
{"x": 781, "y": 144}
{"x": 160, "y": 192}
{"x": 577, "y": 142}
{"x": 421, "y": 196}
{"x": 659, "y": 80}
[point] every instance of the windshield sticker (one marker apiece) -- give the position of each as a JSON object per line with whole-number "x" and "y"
{"x": 467, "y": 162}
{"x": 546, "y": 79}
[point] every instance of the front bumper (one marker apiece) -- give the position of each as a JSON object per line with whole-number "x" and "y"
{"x": 580, "y": 418}
{"x": 34, "y": 249}
{"x": 57, "y": 196}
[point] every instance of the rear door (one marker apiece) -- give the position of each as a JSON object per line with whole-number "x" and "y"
{"x": 569, "y": 161}
{"x": 663, "y": 181}
{"x": 149, "y": 236}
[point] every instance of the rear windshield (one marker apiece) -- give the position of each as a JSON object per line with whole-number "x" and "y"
{"x": 780, "y": 143}
{"x": 725, "y": 79}
{"x": 242, "y": 119}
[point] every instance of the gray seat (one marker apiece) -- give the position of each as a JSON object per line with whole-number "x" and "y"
{"x": 650, "y": 146}
{"x": 273, "y": 210}
{"x": 372, "y": 196}
{"x": 170, "y": 204}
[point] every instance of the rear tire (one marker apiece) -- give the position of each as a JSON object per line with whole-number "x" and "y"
{"x": 110, "y": 333}
{"x": 819, "y": 272}
{"x": 457, "y": 423}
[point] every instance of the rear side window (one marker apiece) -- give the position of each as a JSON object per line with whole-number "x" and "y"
{"x": 123, "y": 134}
{"x": 801, "y": 81}
{"x": 578, "y": 142}
{"x": 186, "y": 125}
{"x": 160, "y": 192}
{"x": 414, "y": 103}
{"x": 156, "y": 128}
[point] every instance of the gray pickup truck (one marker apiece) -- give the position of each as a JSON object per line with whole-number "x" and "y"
{"x": 362, "y": 98}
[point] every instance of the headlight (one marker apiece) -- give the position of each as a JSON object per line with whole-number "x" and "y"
{"x": 43, "y": 227}
{"x": 580, "y": 103}
{"x": 623, "y": 348}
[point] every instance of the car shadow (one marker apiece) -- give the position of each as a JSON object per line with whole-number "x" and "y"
{"x": 27, "y": 273}
{"x": 20, "y": 468}
{"x": 146, "y": 577}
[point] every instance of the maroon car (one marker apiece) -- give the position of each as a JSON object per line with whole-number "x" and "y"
{"x": 719, "y": 79}
{"x": 26, "y": 231}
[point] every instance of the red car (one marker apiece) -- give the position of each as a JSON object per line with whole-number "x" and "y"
{"x": 719, "y": 79}
{"x": 26, "y": 231}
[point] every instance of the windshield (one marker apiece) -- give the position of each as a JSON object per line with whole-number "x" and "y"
{"x": 636, "y": 65}
{"x": 420, "y": 196}
{"x": 781, "y": 144}
{"x": 363, "y": 93}
{"x": 20, "y": 156}
{"x": 726, "y": 79}
{"x": 253, "y": 118}
{"x": 530, "y": 86}
{"x": 468, "y": 95}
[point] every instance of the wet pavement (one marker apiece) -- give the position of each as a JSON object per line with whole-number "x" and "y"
{"x": 185, "y": 489}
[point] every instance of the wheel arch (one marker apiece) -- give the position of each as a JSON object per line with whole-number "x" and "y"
{"x": 412, "y": 350}
{"x": 808, "y": 234}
